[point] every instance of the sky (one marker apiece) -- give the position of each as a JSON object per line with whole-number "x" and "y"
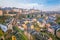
{"x": 46, "y": 5}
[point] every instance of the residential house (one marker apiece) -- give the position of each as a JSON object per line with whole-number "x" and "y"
{"x": 1, "y": 12}
{"x": 3, "y": 27}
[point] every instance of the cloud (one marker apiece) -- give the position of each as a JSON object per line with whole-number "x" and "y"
{"x": 36, "y": 5}
{"x": 12, "y": 3}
